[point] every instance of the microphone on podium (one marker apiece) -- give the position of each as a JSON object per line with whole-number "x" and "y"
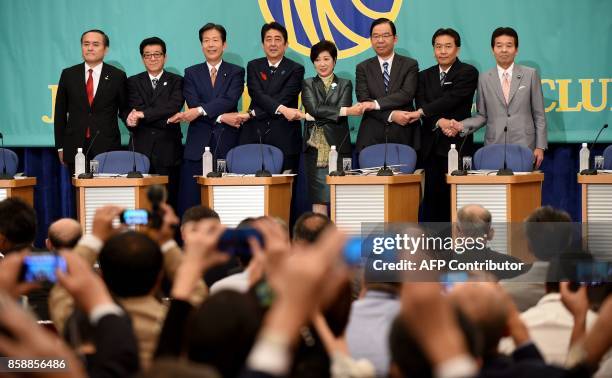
{"x": 88, "y": 174}
{"x": 134, "y": 173}
{"x": 505, "y": 171}
{"x": 593, "y": 171}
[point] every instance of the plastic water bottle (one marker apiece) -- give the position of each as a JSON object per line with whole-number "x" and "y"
{"x": 584, "y": 157}
{"x": 79, "y": 162}
{"x": 453, "y": 159}
{"x": 207, "y": 161}
{"x": 333, "y": 159}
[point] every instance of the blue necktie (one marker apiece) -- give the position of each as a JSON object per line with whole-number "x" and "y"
{"x": 386, "y": 76}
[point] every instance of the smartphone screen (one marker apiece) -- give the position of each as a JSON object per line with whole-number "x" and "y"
{"x": 42, "y": 267}
{"x": 134, "y": 217}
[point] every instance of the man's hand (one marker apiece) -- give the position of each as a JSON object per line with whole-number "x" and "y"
{"x": 83, "y": 284}
{"x": 538, "y": 157}
{"x": 413, "y": 116}
{"x": 234, "y": 119}
{"x": 10, "y": 270}
{"x": 368, "y": 106}
{"x": 178, "y": 117}
{"x": 401, "y": 117}
{"x": 133, "y": 117}
{"x": 355, "y": 110}
{"x": 190, "y": 115}
{"x": 30, "y": 339}
{"x": 201, "y": 240}
{"x": 291, "y": 114}
{"x": 168, "y": 227}
{"x": 446, "y": 126}
{"x": 577, "y": 303}
{"x": 102, "y": 224}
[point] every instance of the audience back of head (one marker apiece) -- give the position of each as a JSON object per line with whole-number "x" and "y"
{"x": 17, "y": 225}
{"x": 131, "y": 264}
{"x": 63, "y": 234}
{"x": 309, "y": 226}
{"x": 549, "y": 232}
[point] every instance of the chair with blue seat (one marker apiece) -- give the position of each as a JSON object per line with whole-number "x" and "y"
{"x": 374, "y": 156}
{"x": 518, "y": 158}
{"x": 246, "y": 159}
{"x": 11, "y": 160}
{"x": 122, "y": 162}
{"x": 607, "y": 154}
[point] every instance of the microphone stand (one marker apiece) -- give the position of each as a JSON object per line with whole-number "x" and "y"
{"x": 88, "y": 174}
{"x": 135, "y": 173}
{"x": 505, "y": 171}
{"x": 593, "y": 171}
{"x": 461, "y": 172}
{"x": 385, "y": 170}
{"x": 215, "y": 172}
{"x": 263, "y": 172}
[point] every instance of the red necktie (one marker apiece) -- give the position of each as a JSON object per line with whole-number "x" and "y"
{"x": 90, "y": 96}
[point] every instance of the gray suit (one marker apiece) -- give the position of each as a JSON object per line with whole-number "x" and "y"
{"x": 524, "y": 113}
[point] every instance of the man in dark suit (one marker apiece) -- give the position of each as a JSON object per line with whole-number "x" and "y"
{"x": 274, "y": 84}
{"x": 212, "y": 90}
{"x": 154, "y": 96}
{"x": 445, "y": 92}
{"x": 93, "y": 93}
{"x": 386, "y": 85}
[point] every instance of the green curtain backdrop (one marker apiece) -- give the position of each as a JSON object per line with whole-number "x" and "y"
{"x": 568, "y": 41}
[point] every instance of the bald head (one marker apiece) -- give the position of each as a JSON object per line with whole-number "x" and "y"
{"x": 474, "y": 221}
{"x": 485, "y": 305}
{"x": 63, "y": 233}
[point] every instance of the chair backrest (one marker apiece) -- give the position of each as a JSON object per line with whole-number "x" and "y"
{"x": 122, "y": 162}
{"x": 519, "y": 158}
{"x": 607, "y": 154}
{"x": 374, "y": 156}
{"x": 246, "y": 159}
{"x": 11, "y": 159}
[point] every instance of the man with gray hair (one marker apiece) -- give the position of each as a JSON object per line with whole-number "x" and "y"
{"x": 474, "y": 221}
{"x": 64, "y": 233}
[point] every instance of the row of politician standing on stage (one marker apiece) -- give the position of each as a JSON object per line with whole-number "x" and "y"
{"x": 428, "y": 110}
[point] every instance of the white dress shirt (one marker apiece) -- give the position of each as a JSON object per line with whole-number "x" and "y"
{"x": 500, "y": 73}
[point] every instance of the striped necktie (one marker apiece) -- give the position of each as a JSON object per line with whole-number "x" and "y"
{"x": 442, "y": 76}
{"x": 386, "y": 76}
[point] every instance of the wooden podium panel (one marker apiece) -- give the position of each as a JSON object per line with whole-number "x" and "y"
{"x": 130, "y": 193}
{"x": 238, "y": 197}
{"x": 357, "y": 199}
{"x": 597, "y": 214}
{"x": 510, "y": 199}
{"x": 22, "y": 188}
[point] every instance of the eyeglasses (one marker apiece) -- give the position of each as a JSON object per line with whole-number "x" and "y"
{"x": 382, "y": 36}
{"x": 151, "y": 56}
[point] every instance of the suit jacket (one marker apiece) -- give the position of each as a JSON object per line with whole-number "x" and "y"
{"x": 116, "y": 349}
{"x": 369, "y": 86}
{"x": 451, "y": 100}
{"x": 325, "y": 108}
{"x": 160, "y": 141}
{"x": 73, "y": 114}
{"x": 268, "y": 92}
{"x": 523, "y": 115}
{"x": 217, "y": 100}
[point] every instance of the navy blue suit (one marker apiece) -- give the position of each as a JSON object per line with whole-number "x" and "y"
{"x": 204, "y": 131}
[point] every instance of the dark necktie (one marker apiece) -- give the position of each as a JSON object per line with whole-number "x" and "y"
{"x": 442, "y": 76}
{"x": 272, "y": 70}
{"x": 386, "y": 76}
{"x": 154, "y": 82}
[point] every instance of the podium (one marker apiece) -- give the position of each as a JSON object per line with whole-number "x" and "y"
{"x": 510, "y": 199}
{"x": 597, "y": 214}
{"x": 235, "y": 198}
{"x": 357, "y": 199}
{"x": 22, "y": 188}
{"x": 130, "y": 193}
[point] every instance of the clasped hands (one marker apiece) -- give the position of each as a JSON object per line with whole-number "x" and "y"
{"x": 450, "y": 127}
{"x": 234, "y": 119}
{"x": 134, "y": 117}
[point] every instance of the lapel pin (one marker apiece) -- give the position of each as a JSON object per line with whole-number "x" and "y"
{"x": 518, "y": 76}
{"x": 282, "y": 72}
{"x": 106, "y": 77}
{"x": 333, "y": 85}
{"x": 165, "y": 83}
{"x": 225, "y": 75}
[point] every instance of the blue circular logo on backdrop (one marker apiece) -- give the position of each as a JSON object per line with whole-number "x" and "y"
{"x": 346, "y": 22}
